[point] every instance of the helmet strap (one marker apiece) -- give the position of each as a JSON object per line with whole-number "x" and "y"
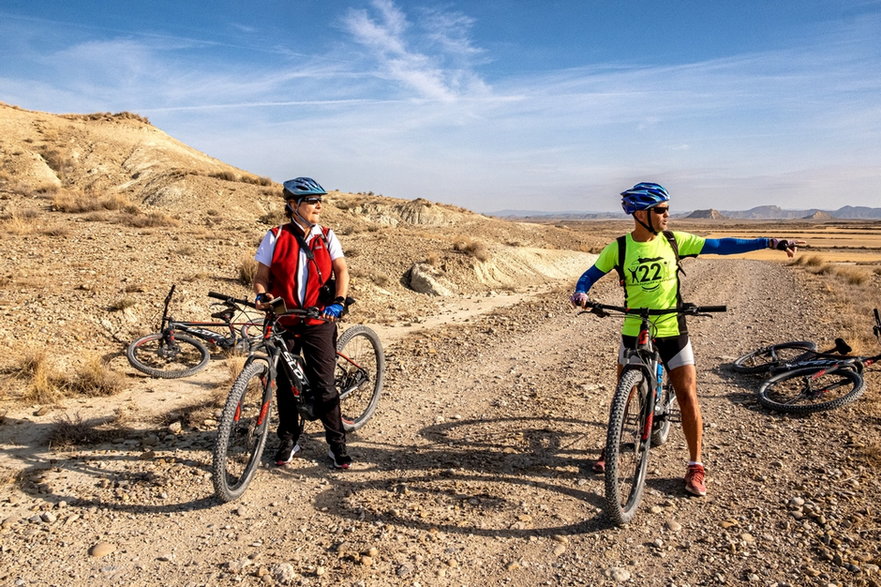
{"x": 648, "y": 226}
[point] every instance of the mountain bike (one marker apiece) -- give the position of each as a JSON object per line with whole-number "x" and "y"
{"x": 642, "y": 410}
{"x": 176, "y": 349}
{"x": 245, "y": 420}
{"x": 819, "y": 381}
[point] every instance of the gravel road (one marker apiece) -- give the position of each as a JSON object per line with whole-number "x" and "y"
{"x": 475, "y": 470}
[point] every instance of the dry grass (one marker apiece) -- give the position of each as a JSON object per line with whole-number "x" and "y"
{"x": 122, "y": 304}
{"x": 69, "y": 432}
{"x": 471, "y": 247}
{"x": 153, "y": 219}
{"x": 73, "y": 202}
{"x": 247, "y": 270}
{"x": 45, "y": 384}
{"x": 95, "y": 378}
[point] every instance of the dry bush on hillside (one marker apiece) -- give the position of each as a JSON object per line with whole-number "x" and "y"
{"x": 247, "y": 270}
{"x": 122, "y": 303}
{"x": 153, "y": 219}
{"x": 78, "y": 202}
{"x": 476, "y": 249}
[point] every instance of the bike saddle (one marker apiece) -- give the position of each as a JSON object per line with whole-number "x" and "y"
{"x": 223, "y": 315}
{"x": 842, "y": 347}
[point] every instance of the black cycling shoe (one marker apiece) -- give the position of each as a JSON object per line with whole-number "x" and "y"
{"x": 341, "y": 459}
{"x": 286, "y": 451}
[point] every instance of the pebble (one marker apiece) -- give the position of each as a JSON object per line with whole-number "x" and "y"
{"x": 101, "y": 549}
{"x": 673, "y": 525}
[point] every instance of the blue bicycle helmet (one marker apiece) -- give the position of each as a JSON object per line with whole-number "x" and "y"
{"x": 302, "y": 187}
{"x": 643, "y": 196}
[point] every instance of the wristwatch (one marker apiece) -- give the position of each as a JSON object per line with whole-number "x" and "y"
{"x": 339, "y": 300}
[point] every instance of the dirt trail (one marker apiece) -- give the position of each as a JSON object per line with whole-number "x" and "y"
{"x": 475, "y": 470}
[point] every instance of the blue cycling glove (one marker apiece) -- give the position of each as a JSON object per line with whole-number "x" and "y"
{"x": 333, "y": 311}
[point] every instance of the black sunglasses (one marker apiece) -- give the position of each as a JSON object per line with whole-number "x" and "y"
{"x": 311, "y": 200}
{"x": 660, "y": 210}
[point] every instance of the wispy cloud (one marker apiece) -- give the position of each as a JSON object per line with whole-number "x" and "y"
{"x": 386, "y": 33}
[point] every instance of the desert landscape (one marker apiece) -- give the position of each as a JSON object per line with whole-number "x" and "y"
{"x": 475, "y": 468}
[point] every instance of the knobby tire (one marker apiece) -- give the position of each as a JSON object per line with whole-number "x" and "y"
{"x": 665, "y": 412}
{"x": 244, "y": 428}
{"x": 156, "y": 356}
{"x": 359, "y": 375}
{"x": 626, "y": 452}
{"x": 765, "y": 359}
{"x": 809, "y": 389}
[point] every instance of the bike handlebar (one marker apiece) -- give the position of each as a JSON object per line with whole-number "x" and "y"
{"x": 226, "y": 298}
{"x": 688, "y": 309}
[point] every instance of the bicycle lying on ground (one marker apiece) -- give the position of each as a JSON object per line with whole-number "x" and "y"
{"x": 643, "y": 408}
{"x": 803, "y": 380}
{"x": 176, "y": 351}
{"x": 245, "y": 421}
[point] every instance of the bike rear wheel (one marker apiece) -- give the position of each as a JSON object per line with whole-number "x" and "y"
{"x": 765, "y": 359}
{"x": 167, "y": 356}
{"x": 241, "y": 436}
{"x": 359, "y": 374}
{"x": 627, "y": 450}
{"x": 809, "y": 389}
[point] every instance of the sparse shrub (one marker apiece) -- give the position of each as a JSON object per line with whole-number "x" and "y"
{"x": 59, "y": 162}
{"x": 42, "y": 382}
{"x": 852, "y": 275}
{"x": 265, "y": 181}
{"x": 17, "y": 223}
{"x": 272, "y": 217}
{"x": 77, "y": 203}
{"x": 122, "y": 304}
{"x": 471, "y": 247}
{"x": 225, "y": 175}
{"x": 153, "y": 219}
{"x": 95, "y": 378}
{"x": 69, "y": 432}
{"x": 247, "y": 270}
{"x": 186, "y": 251}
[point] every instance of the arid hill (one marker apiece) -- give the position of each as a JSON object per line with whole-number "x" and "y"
{"x": 103, "y": 212}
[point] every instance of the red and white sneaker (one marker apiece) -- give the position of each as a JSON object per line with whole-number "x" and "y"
{"x": 694, "y": 480}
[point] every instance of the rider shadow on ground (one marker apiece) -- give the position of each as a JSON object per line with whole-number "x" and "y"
{"x": 508, "y": 477}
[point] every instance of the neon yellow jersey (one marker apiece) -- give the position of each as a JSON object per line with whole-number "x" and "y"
{"x": 650, "y": 278}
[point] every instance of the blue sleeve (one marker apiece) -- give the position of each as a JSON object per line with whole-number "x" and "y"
{"x": 732, "y": 246}
{"x": 588, "y": 278}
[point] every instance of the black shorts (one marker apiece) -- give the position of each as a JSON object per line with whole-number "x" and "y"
{"x": 675, "y": 351}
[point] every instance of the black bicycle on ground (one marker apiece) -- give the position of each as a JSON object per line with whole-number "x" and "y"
{"x": 245, "y": 422}
{"x": 642, "y": 411}
{"x": 802, "y": 380}
{"x": 177, "y": 350}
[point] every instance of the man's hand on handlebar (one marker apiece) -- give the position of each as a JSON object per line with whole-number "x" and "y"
{"x": 332, "y": 312}
{"x": 263, "y": 301}
{"x": 579, "y": 299}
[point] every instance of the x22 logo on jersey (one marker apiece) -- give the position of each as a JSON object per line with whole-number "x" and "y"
{"x": 649, "y": 273}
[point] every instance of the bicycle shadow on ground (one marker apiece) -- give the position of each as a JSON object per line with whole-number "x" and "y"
{"x": 93, "y": 464}
{"x": 512, "y": 476}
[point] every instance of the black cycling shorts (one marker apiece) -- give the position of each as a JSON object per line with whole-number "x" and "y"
{"x": 675, "y": 351}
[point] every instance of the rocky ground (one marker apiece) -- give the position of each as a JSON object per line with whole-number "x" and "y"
{"x": 474, "y": 470}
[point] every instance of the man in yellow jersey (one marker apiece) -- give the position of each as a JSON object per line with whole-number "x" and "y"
{"x": 648, "y": 266}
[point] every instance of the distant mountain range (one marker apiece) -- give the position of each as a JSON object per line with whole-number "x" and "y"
{"x": 757, "y": 213}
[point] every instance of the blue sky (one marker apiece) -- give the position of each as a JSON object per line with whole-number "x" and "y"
{"x": 491, "y": 105}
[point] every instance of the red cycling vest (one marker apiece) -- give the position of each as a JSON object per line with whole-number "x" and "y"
{"x": 283, "y": 275}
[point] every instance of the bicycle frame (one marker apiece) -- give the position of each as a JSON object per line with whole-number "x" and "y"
{"x": 200, "y": 329}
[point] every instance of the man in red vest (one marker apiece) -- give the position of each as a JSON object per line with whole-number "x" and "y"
{"x": 294, "y": 261}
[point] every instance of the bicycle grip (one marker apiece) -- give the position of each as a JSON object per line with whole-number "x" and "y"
{"x": 713, "y": 308}
{"x": 218, "y": 296}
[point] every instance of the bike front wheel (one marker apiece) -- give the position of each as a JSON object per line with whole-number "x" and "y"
{"x": 241, "y": 436}
{"x": 167, "y": 356}
{"x": 809, "y": 389}
{"x": 359, "y": 374}
{"x": 627, "y": 447}
{"x": 767, "y": 358}
{"x": 665, "y": 412}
